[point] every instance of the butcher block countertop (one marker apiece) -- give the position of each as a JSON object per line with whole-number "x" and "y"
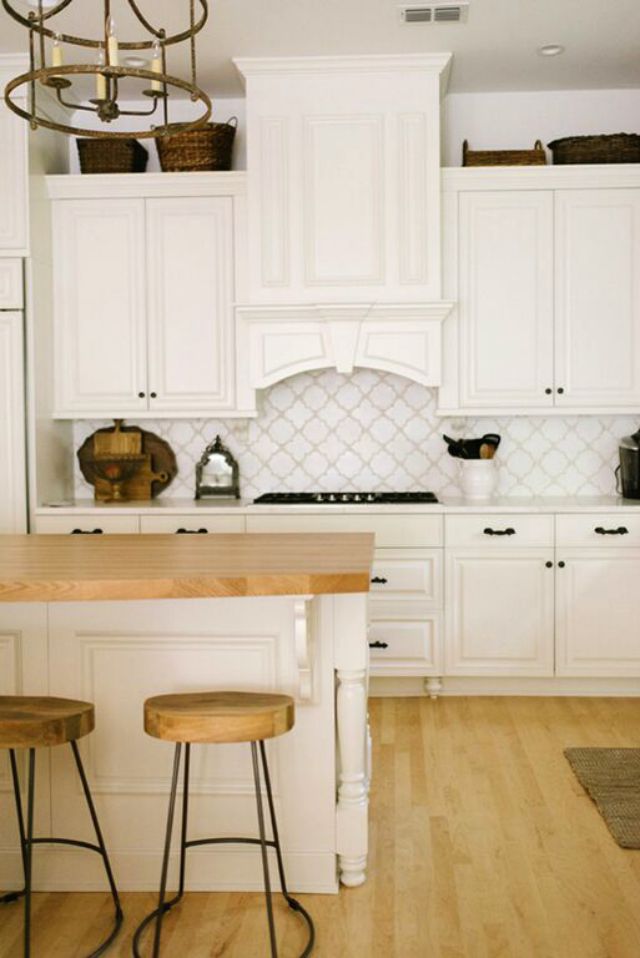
{"x": 66, "y": 568}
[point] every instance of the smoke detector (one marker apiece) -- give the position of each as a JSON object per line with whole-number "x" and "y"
{"x": 441, "y": 11}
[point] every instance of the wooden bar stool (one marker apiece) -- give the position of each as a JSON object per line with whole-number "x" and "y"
{"x": 31, "y": 722}
{"x": 213, "y": 717}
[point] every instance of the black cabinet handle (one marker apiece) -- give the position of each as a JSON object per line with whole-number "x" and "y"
{"x": 191, "y": 532}
{"x": 153, "y": 395}
{"x": 548, "y": 391}
{"x": 86, "y": 532}
{"x": 620, "y": 531}
{"x": 560, "y": 390}
{"x": 141, "y": 395}
{"x": 379, "y": 580}
{"x": 499, "y": 532}
{"x": 549, "y": 565}
{"x": 378, "y": 645}
{"x": 561, "y": 565}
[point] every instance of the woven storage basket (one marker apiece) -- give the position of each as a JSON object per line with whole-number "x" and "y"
{"x": 534, "y": 157}
{"x": 206, "y": 148}
{"x": 104, "y": 155}
{"x": 612, "y": 148}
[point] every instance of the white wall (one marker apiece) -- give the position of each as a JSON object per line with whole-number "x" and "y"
{"x": 496, "y": 121}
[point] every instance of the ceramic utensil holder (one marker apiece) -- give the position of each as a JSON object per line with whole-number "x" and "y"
{"x": 478, "y": 478}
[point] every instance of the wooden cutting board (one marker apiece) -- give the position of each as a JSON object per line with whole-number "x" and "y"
{"x": 156, "y": 472}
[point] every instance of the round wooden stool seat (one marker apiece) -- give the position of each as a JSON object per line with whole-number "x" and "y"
{"x": 37, "y": 721}
{"x": 218, "y": 716}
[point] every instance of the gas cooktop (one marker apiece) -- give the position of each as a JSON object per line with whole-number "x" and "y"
{"x": 342, "y": 498}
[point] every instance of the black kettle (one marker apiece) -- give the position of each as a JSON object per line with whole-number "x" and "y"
{"x": 628, "y": 472}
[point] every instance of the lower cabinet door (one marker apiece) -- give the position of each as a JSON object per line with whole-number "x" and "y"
{"x": 499, "y": 613}
{"x": 597, "y": 612}
{"x": 406, "y": 646}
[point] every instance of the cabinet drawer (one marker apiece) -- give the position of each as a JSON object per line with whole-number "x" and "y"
{"x": 88, "y": 524}
{"x": 611, "y": 530}
{"x": 409, "y": 531}
{"x": 498, "y": 531}
{"x": 11, "y": 284}
{"x": 402, "y": 574}
{"x": 196, "y": 523}
{"x": 405, "y": 646}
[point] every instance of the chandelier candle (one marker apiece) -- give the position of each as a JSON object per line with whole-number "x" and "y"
{"x": 112, "y": 43}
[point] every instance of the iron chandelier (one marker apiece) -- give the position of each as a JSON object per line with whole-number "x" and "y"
{"x": 47, "y": 67}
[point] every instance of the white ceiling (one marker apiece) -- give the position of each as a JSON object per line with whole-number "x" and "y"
{"x": 494, "y": 50}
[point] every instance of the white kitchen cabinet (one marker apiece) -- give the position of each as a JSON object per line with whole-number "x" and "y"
{"x": 545, "y": 267}
{"x": 597, "y": 255}
{"x": 14, "y": 236}
{"x": 144, "y": 283}
{"x": 13, "y": 480}
{"x": 499, "y": 595}
{"x": 87, "y": 524}
{"x": 596, "y": 612}
{"x": 505, "y": 300}
{"x": 499, "y": 612}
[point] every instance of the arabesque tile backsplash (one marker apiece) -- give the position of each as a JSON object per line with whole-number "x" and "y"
{"x": 372, "y": 430}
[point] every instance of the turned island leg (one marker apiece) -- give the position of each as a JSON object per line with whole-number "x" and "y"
{"x": 351, "y": 715}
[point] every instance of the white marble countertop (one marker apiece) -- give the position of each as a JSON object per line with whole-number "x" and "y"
{"x": 169, "y": 506}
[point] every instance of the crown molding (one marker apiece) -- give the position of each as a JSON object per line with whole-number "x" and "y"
{"x": 265, "y": 66}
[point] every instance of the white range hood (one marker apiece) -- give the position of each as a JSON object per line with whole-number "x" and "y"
{"x": 343, "y": 216}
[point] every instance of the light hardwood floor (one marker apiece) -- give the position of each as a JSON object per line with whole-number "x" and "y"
{"x": 483, "y": 846}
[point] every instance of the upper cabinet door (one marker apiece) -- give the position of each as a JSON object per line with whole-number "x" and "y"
{"x": 190, "y": 296}
{"x": 99, "y": 291}
{"x": 598, "y": 297}
{"x": 506, "y": 298}
{"x": 13, "y": 183}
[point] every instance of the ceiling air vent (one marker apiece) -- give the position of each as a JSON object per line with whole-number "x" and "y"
{"x": 442, "y": 12}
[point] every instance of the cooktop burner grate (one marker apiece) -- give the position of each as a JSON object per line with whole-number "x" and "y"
{"x": 342, "y": 498}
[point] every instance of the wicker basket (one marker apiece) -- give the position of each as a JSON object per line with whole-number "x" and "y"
{"x": 534, "y": 157}
{"x": 206, "y": 148}
{"x": 106, "y": 155}
{"x": 613, "y": 148}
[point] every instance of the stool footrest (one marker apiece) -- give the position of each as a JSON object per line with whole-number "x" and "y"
{"x": 227, "y": 841}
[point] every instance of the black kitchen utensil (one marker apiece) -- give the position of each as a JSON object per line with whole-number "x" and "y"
{"x": 470, "y": 448}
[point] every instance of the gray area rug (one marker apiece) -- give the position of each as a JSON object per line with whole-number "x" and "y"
{"x": 611, "y": 777}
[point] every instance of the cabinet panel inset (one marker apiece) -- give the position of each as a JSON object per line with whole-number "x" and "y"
{"x": 343, "y": 211}
{"x": 506, "y": 298}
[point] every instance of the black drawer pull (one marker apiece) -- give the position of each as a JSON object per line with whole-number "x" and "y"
{"x": 86, "y": 532}
{"x": 620, "y": 531}
{"x": 499, "y": 532}
{"x": 191, "y": 532}
{"x": 378, "y": 645}
{"x": 379, "y": 580}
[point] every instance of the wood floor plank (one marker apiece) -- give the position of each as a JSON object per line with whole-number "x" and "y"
{"x": 483, "y": 845}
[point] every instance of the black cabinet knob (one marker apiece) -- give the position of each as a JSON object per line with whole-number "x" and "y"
{"x": 153, "y": 395}
{"x": 141, "y": 395}
{"x": 548, "y": 390}
{"x": 549, "y": 565}
{"x": 561, "y": 565}
{"x": 560, "y": 390}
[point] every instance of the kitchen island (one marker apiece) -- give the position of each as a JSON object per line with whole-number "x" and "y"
{"x": 116, "y": 619}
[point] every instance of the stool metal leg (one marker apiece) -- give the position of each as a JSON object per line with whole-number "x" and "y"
{"x": 15, "y": 895}
{"x": 167, "y": 849}
{"x": 102, "y": 851}
{"x": 263, "y": 848}
{"x": 29, "y": 852}
{"x": 291, "y": 902}
{"x": 167, "y": 905}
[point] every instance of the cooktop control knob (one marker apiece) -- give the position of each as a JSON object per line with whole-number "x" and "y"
{"x": 332, "y": 498}
{"x": 319, "y": 497}
{"x": 371, "y": 497}
{"x": 346, "y": 497}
